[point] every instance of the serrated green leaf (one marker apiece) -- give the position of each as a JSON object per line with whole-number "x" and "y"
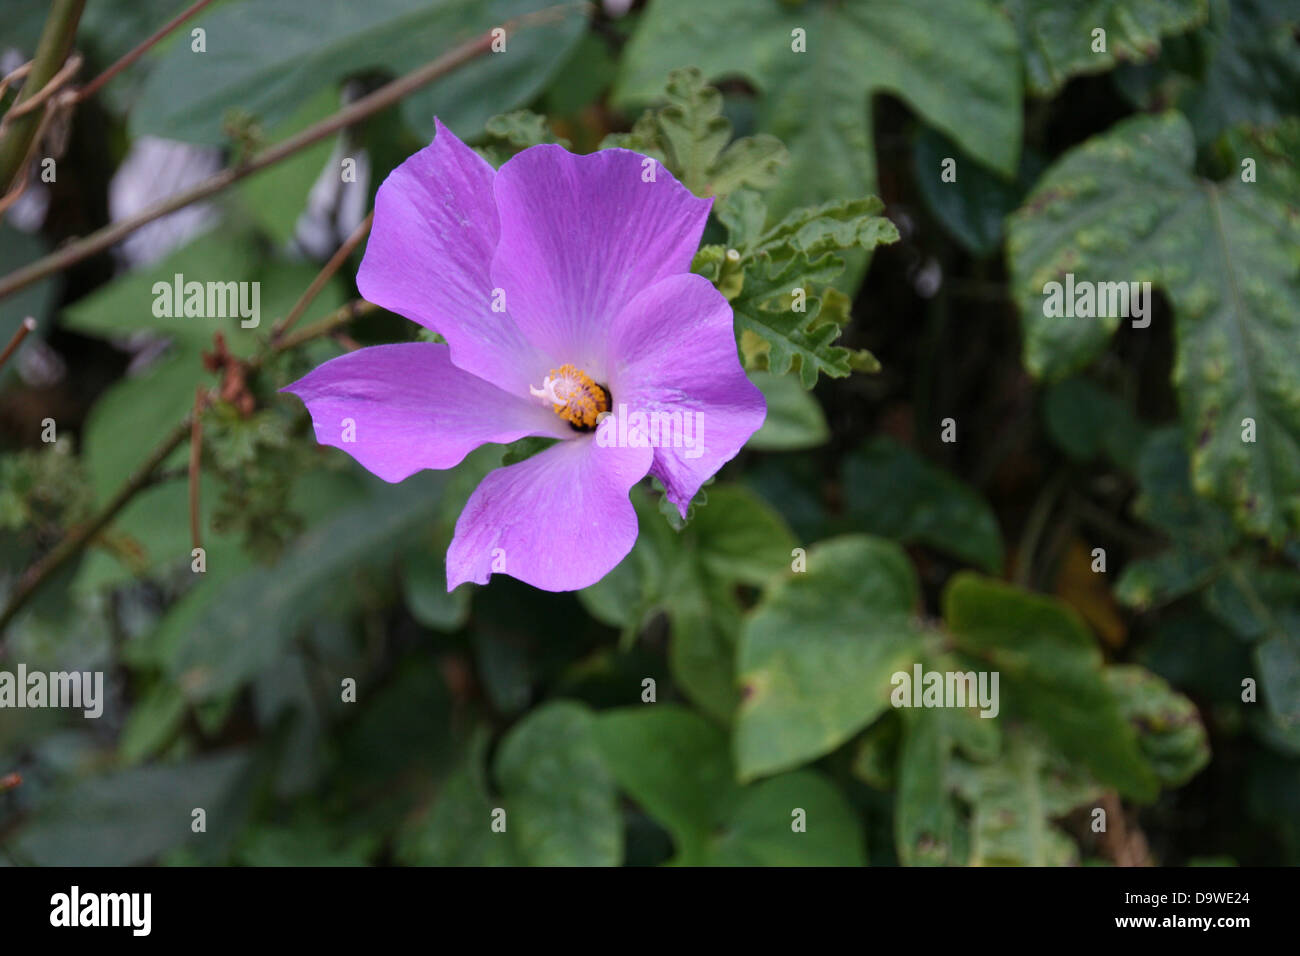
{"x": 692, "y": 138}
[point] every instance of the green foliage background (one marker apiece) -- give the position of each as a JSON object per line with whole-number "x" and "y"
{"x": 849, "y": 540}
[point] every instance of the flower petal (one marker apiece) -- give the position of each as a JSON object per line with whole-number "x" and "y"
{"x": 398, "y": 409}
{"x": 582, "y": 235}
{"x": 559, "y": 521}
{"x": 672, "y": 350}
{"x": 428, "y": 259}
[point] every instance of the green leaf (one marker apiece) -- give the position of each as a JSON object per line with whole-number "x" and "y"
{"x": 783, "y": 321}
{"x": 928, "y": 827}
{"x": 675, "y": 765}
{"x": 692, "y": 138}
{"x": 1051, "y": 674}
{"x": 1056, "y": 39}
{"x": 240, "y": 630}
{"x": 267, "y": 65}
{"x": 1170, "y": 731}
{"x": 972, "y": 207}
{"x": 1126, "y": 207}
{"x": 511, "y": 133}
{"x": 794, "y": 418}
{"x": 691, "y": 577}
{"x": 1088, "y": 422}
{"x": 817, "y": 653}
{"x": 559, "y": 800}
{"x": 818, "y": 102}
{"x": 131, "y": 816}
{"x": 560, "y": 796}
{"x": 892, "y": 492}
{"x": 1013, "y": 801}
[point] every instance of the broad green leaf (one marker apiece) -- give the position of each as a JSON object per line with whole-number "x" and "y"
{"x": 1124, "y": 207}
{"x": 1088, "y": 422}
{"x": 892, "y": 492}
{"x": 1051, "y": 674}
{"x": 1057, "y": 39}
{"x": 691, "y": 576}
{"x": 267, "y": 65}
{"x": 131, "y": 816}
{"x": 817, "y": 653}
{"x": 558, "y": 797}
{"x": 675, "y": 765}
{"x": 974, "y": 205}
{"x": 1253, "y": 69}
{"x": 794, "y": 418}
{"x": 946, "y": 58}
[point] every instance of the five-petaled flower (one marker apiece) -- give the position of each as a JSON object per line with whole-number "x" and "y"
{"x": 561, "y": 285}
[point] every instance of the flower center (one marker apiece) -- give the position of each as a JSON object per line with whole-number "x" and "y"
{"x": 574, "y": 396}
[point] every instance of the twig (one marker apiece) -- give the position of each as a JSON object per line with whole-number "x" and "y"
{"x": 51, "y": 53}
{"x": 327, "y": 273}
{"x": 144, "y": 476}
{"x": 28, "y": 326}
{"x": 95, "y": 85}
{"x": 54, "y": 86}
{"x": 363, "y": 108}
{"x": 13, "y": 76}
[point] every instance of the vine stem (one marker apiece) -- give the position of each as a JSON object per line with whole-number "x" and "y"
{"x": 95, "y": 85}
{"x": 350, "y": 115}
{"x": 52, "y": 51}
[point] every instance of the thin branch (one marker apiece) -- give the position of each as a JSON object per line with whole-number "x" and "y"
{"x": 54, "y": 86}
{"x": 95, "y": 85}
{"x": 51, "y": 53}
{"x": 363, "y": 108}
{"x": 144, "y": 476}
{"x": 327, "y": 273}
{"x": 28, "y": 326}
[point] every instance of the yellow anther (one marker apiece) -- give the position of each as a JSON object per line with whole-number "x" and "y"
{"x": 573, "y": 396}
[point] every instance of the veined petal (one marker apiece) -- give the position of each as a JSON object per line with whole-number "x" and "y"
{"x": 559, "y": 521}
{"x": 582, "y": 235}
{"x": 398, "y": 409}
{"x": 428, "y": 259}
{"x": 672, "y": 354}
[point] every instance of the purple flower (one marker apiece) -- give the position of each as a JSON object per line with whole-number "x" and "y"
{"x": 562, "y": 287}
